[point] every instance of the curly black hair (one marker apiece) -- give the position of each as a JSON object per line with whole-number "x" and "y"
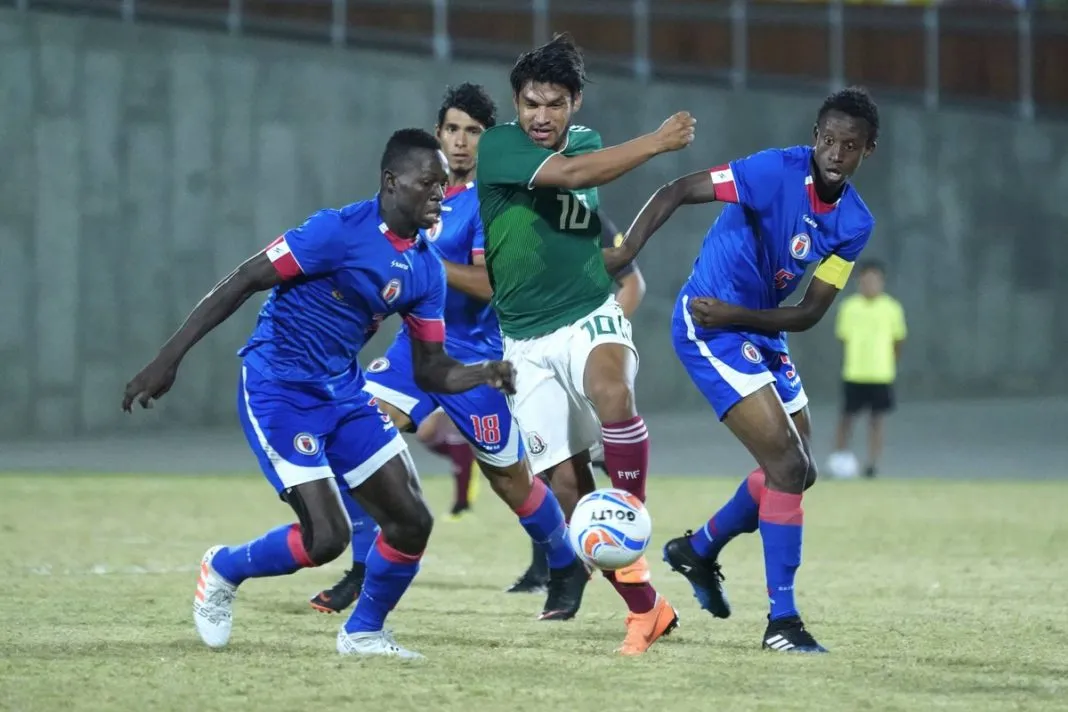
{"x": 856, "y": 102}
{"x": 471, "y": 99}
{"x": 402, "y": 144}
{"x": 559, "y": 61}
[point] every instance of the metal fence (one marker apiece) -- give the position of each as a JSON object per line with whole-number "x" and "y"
{"x": 1004, "y": 55}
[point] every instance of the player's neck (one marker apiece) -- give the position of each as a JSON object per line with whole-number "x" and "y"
{"x": 457, "y": 179}
{"x": 397, "y": 223}
{"x": 827, "y": 195}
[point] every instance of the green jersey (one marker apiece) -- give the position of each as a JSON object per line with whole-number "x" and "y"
{"x": 543, "y": 245}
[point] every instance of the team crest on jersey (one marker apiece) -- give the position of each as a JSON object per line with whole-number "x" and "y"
{"x": 391, "y": 291}
{"x": 535, "y": 444}
{"x": 800, "y": 246}
{"x": 751, "y": 353}
{"x": 378, "y": 365}
{"x": 306, "y": 443}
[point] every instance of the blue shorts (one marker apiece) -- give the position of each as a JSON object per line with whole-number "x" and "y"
{"x": 726, "y": 366}
{"x": 480, "y": 414}
{"x": 302, "y": 433}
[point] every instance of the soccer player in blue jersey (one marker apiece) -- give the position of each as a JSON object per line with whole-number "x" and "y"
{"x": 301, "y": 399}
{"x": 787, "y": 210}
{"x": 472, "y": 336}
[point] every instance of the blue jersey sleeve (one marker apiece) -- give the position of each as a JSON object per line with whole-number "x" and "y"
{"x": 836, "y": 267}
{"x": 315, "y": 247}
{"x": 426, "y": 317}
{"x": 850, "y": 249}
{"x": 478, "y": 241}
{"x": 753, "y": 182}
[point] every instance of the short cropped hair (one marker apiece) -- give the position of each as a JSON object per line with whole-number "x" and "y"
{"x": 855, "y": 102}
{"x": 402, "y": 144}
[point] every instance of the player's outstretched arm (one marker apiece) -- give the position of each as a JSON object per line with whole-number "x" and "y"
{"x": 691, "y": 189}
{"x": 589, "y": 170}
{"x": 437, "y": 372}
{"x": 256, "y": 274}
{"x": 821, "y": 292}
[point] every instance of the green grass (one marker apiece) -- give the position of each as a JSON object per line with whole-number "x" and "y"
{"x": 930, "y": 595}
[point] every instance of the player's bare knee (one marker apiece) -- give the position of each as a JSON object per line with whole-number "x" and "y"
{"x": 512, "y": 484}
{"x": 410, "y": 534}
{"x": 788, "y": 471}
{"x": 612, "y": 398}
{"x": 325, "y": 541}
{"x": 813, "y": 473}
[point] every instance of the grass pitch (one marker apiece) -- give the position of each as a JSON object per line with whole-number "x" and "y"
{"x": 930, "y": 595}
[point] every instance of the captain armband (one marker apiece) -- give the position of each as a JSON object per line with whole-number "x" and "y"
{"x": 834, "y": 270}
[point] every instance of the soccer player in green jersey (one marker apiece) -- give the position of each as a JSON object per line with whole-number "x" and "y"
{"x": 564, "y": 332}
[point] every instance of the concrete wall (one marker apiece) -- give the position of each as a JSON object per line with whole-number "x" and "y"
{"x": 142, "y": 163}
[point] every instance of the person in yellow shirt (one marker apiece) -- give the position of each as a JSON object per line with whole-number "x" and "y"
{"x": 871, "y": 326}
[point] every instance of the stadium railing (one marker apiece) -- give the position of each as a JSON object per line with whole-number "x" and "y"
{"x": 1008, "y": 56}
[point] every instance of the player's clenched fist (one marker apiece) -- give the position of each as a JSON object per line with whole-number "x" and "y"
{"x": 150, "y": 384}
{"x": 711, "y": 313}
{"x": 677, "y": 131}
{"x": 500, "y": 375}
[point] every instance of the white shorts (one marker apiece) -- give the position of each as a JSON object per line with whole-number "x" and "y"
{"x": 550, "y": 405}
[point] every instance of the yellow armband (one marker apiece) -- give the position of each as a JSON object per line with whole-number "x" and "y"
{"x": 834, "y": 270}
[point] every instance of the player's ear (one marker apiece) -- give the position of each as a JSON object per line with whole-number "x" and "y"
{"x": 389, "y": 181}
{"x": 576, "y": 103}
{"x": 869, "y": 149}
{"x": 815, "y": 131}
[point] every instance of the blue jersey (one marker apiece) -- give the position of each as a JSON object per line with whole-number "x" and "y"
{"x": 472, "y": 328}
{"x": 344, "y": 272}
{"x": 773, "y": 227}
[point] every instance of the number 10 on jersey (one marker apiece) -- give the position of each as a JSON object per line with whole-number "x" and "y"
{"x": 573, "y": 214}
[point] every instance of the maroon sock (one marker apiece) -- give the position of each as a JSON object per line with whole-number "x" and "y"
{"x": 440, "y": 447}
{"x": 639, "y": 597}
{"x": 626, "y": 454}
{"x": 463, "y": 458}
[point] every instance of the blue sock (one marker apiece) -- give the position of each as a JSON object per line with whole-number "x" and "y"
{"x": 737, "y": 516}
{"x": 781, "y": 525}
{"x": 389, "y": 573}
{"x": 543, "y": 519}
{"x": 364, "y": 529}
{"x": 276, "y": 553}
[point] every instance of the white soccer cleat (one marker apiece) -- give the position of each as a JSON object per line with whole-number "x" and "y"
{"x": 213, "y": 605}
{"x": 376, "y": 643}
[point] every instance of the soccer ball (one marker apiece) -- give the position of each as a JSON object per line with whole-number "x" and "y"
{"x": 843, "y": 465}
{"x": 610, "y": 529}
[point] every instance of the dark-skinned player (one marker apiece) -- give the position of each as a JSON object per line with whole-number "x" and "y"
{"x": 472, "y": 335}
{"x": 787, "y": 210}
{"x": 301, "y": 397}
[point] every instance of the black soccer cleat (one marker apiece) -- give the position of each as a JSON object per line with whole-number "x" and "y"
{"x": 343, "y": 594}
{"x": 536, "y": 578}
{"x": 566, "y": 586}
{"x": 704, "y": 575}
{"x": 788, "y": 635}
{"x": 459, "y": 511}
{"x": 529, "y": 582}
